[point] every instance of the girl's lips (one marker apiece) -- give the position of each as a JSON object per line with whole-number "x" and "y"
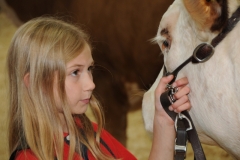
{"x": 86, "y": 101}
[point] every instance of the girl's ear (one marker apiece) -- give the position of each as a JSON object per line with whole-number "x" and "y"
{"x": 26, "y": 79}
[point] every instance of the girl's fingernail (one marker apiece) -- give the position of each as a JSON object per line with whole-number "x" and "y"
{"x": 170, "y": 108}
{"x": 174, "y": 84}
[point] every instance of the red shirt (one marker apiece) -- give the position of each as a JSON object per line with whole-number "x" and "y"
{"x": 116, "y": 148}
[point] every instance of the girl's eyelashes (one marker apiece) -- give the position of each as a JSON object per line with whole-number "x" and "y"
{"x": 75, "y": 73}
{"x": 91, "y": 68}
{"x": 78, "y": 71}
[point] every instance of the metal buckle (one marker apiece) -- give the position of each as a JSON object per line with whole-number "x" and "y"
{"x": 181, "y": 116}
{"x": 180, "y": 148}
{"x": 172, "y": 91}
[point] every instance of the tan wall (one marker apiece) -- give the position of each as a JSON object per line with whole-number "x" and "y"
{"x": 138, "y": 142}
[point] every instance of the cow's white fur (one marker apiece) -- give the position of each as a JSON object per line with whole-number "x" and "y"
{"x": 215, "y": 84}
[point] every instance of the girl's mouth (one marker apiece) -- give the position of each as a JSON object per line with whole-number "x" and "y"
{"x": 86, "y": 101}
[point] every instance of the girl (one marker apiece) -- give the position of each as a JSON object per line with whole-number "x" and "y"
{"x": 49, "y": 67}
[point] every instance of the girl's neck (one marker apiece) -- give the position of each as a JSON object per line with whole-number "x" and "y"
{"x": 63, "y": 122}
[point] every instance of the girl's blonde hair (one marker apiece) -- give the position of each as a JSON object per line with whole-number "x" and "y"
{"x": 41, "y": 48}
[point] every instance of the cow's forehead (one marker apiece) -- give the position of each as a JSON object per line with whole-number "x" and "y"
{"x": 169, "y": 19}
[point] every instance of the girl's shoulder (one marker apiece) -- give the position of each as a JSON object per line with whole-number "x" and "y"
{"x": 109, "y": 145}
{"x": 26, "y": 154}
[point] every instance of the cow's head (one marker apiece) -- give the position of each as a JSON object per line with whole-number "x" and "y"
{"x": 185, "y": 25}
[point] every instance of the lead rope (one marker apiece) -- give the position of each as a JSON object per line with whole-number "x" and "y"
{"x": 185, "y": 129}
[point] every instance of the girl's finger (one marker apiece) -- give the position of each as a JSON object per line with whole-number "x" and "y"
{"x": 162, "y": 84}
{"x": 179, "y": 102}
{"x": 180, "y": 82}
{"x": 181, "y": 92}
{"x": 185, "y": 106}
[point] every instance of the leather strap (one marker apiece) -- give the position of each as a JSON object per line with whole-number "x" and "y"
{"x": 181, "y": 141}
{"x": 229, "y": 27}
{"x": 191, "y": 134}
{"x": 194, "y": 140}
{"x": 166, "y": 103}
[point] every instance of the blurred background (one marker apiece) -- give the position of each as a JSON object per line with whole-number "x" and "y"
{"x": 128, "y": 117}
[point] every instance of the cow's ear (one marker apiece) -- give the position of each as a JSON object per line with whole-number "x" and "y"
{"x": 208, "y": 14}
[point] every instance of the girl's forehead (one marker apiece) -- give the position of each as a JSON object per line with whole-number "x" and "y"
{"x": 84, "y": 57}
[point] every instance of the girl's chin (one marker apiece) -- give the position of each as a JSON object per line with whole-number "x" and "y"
{"x": 80, "y": 110}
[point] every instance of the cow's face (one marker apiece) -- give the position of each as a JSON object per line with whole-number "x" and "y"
{"x": 187, "y": 23}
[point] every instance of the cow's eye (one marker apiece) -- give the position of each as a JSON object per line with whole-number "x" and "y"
{"x": 165, "y": 45}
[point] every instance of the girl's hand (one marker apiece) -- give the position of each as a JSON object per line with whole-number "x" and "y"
{"x": 164, "y": 133}
{"x": 182, "y": 102}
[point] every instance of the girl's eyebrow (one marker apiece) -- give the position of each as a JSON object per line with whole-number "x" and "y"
{"x": 79, "y": 65}
{"x": 75, "y": 65}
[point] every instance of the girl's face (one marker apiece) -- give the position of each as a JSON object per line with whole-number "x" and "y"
{"x": 79, "y": 81}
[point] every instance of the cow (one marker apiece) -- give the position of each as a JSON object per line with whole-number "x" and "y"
{"x": 215, "y": 92}
{"x": 126, "y": 61}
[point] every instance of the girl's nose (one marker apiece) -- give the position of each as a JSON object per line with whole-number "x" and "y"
{"x": 89, "y": 84}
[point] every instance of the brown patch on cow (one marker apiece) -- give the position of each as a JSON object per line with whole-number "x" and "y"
{"x": 164, "y": 32}
{"x": 208, "y": 14}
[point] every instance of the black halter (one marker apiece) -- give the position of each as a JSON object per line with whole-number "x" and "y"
{"x": 185, "y": 129}
{"x": 232, "y": 22}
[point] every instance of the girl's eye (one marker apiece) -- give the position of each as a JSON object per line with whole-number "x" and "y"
{"x": 75, "y": 73}
{"x": 90, "y": 68}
